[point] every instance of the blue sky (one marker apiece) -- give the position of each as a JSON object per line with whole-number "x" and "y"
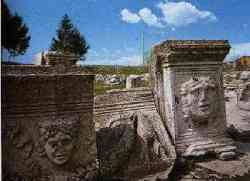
{"x": 113, "y": 28}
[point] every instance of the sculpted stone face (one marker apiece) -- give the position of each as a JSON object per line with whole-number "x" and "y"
{"x": 58, "y": 139}
{"x": 198, "y": 99}
{"x": 59, "y": 148}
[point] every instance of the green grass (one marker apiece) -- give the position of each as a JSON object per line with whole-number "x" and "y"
{"x": 101, "y": 88}
{"x": 112, "y": 69}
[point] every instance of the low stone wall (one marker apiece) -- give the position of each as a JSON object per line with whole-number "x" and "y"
{"x": 42, "y": 69}
{"x": 47, "y": 126}
{"x": 86, "y": 69}
{"x": 121, "y": 103}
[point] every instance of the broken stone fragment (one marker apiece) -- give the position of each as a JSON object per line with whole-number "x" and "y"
{"x": 227, "y": 155}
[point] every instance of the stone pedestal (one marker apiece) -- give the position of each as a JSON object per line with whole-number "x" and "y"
{"x": 134, "y": 81}
{"x": 188, "y": 85}
{"x": 55, "y": 59}
{"x": 47, "y": 127}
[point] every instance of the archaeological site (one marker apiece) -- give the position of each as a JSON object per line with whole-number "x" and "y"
{"x": 186, "y": 119}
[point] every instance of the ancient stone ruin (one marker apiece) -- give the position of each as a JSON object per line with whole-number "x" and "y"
{"x": 238, "y": 112}
{"x": 53, "y": 128}
{"x": 134, "y": 81}
{"x": 55, "y": 59}
{"x": 189, "y": 90}
{"x": 47, "y": 127}
{"x": 132, "y": 141}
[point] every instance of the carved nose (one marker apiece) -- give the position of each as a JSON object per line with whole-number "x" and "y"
{"x": 203, "y": 96}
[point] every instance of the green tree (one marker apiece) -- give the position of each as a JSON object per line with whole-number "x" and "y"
{"x": 69, "y": 40}
{"x": 15, "y": 36}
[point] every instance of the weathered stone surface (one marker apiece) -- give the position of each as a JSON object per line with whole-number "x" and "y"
{"x": 134, "y": 81}
{"x": 227, "y": 155}
{"x": 245, "y": 75}
{"x": 47, "y": 127}
{"x": 117, "y": 104}
{"x": 113, "y": 80}
{"x": 238, "y": 112}
{"x": 233, "y": 169}
{"x": 188, "y": 88}
{"x": 132, "y": 141}
{"x": 237, "y": 169}
{"x": 55, "y": 59}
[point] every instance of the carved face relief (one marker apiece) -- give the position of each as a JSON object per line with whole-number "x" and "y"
{"x": 58, "y": 139}
{"x": 59, "y": 148}
{"x": 198, "y": 96}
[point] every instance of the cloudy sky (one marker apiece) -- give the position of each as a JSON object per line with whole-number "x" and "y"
{"x": 113, "y": 28}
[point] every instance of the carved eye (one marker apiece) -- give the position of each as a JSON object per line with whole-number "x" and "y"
{"x": 211, "y": 89}
{"x": 198, "y": 91}
{"x": 52, "y": 144}
{"x": 66, "y": 141}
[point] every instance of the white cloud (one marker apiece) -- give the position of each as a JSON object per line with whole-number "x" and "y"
{"x": 129, "y": 17}
{"x": 183, "y": 13}
{"x": 238, "y": 50}
{"x": 149, "y": 18}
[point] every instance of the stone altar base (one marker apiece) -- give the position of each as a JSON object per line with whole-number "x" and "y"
{"x": 47, "y": 127}
{"x": 188, "y": 88}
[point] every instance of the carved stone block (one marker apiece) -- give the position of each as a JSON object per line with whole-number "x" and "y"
{"x": 238, "y": 112}
{"x": 47, "y": 127}
{"x": 132, "y": 141}
{"x": 188, "y": 87}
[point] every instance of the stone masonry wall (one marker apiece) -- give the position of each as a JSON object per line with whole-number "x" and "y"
{"x": 122, "y": 103}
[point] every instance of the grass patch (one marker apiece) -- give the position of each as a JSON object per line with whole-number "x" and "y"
{"x": 101, "y": 87}
{"x": 113, "y": 69}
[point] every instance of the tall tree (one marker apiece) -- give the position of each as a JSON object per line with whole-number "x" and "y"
{"x": 15, "y": 36}
{"x": 69, "y": 39}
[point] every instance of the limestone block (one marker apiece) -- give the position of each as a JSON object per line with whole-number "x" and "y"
{"x": 245, "y": 75}
{"x": 238, "y": 112}
{"x": 113, "y": 80}
{"x": 47, "y": 127}
{"x": 54, "y": 58}
{"x": 134, "y": 81}
{"x": 132, "y": 140}
{"x": 188, "y": 86}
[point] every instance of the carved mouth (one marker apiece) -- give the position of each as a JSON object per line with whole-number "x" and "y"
{"x": 204, "y": 107}
{"x": 60, "y": 156}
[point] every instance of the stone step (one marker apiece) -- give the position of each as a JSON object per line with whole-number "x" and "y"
{"x": 191, "y": 139}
